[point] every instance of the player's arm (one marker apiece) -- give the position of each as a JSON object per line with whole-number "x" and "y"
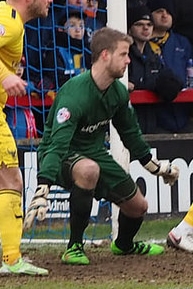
{"x": 63, "y": 119}
{"x": 130, "y": 133}
{"x": 10, "y": 34}
{"x": 47, "y": 175}
{"x": 164, "y": 168}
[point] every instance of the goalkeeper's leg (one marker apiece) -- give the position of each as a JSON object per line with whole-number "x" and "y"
{"x": 81, "y": 198}
{"x": 132, "y": 209}
{"x": 80, "y": 209}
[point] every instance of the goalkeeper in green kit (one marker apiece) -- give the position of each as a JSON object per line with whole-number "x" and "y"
{"x": 72, "y": 152}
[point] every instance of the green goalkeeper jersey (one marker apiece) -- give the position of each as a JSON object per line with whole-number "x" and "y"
{"x": 77, "y": 123}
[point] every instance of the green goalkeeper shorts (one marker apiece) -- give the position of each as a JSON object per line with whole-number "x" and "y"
{"x": 114, "y": 184}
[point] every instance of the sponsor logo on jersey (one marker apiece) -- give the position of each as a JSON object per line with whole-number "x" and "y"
{"x": 63, "y": 115}
{"x": 2, "y": 30}
{"x": 92, "y": 128}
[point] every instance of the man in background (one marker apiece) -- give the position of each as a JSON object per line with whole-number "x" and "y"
{"x": 174, "y": 50}
{"x": 146, "y": 70}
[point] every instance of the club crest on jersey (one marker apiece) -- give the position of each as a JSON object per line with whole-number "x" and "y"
{"x": 63, "y": 115}
{"x": 2, "y": 30}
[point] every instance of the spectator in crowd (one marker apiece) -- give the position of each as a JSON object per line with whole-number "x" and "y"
{"x": 71, "y": 56}
{"x": 146, "y": 70}
{"x": 95, "y": 10}
{"x": 175, "y": 50}
{"x": 72, "y": 151}
{"x": 38, "y": 33}
{"x": 183, "y": 18}
{"x": 63, "y": 58}
{"x": 145, "y": 64}
{"x": 97, "y": 14}
{"x": 77, "y": 3}
{"x": 13, "y": 15}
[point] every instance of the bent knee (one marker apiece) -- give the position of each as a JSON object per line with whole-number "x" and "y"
{"x": 134, "y": 210}
{"x": 90, "y": 170}
{"x": 86, "y": 173}
{"x": 142, "y": 210}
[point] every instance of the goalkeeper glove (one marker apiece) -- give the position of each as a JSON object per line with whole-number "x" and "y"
{"x": 164, "y": 168}
{"x": 38, "y": 206}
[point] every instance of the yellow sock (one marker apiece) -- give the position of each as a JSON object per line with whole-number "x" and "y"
{"x": 10, "y": 225}
{"x": 189, "y": 216}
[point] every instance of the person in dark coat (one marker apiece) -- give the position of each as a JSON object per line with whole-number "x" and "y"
{"x": 146, "y": 70}
{"x": 175, "y": 51}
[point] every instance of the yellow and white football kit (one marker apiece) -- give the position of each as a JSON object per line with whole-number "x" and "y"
{"x": 11, "y": 48}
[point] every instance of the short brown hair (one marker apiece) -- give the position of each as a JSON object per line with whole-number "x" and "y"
{"x": 106, "y": 38}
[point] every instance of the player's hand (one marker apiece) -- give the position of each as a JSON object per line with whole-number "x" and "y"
{"x": 38, "y": 206}
{"x": 14, "y": 85}
{"x": 168, "y": 171}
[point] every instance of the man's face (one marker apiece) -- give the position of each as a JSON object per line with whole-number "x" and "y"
{"x": 82, "y": 3}
{"x": 118, "y": 60}
{"x": 75, "y": 27}
{"x": 39, "y": 8}
{"x": 162, "y": 19}
{"x": 142, "y": 30}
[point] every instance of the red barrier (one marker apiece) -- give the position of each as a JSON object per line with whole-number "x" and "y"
{"x": 29, "y": 101}
{"x": 146, "y": 96}
{"x": 137, "y": 97}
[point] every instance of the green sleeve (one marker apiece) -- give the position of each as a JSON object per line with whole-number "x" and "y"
{"x": 59, "y": 129}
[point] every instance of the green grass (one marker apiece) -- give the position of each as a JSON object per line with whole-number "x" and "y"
{"x": 151, "y": 229}
{"x": 157, "y": 229}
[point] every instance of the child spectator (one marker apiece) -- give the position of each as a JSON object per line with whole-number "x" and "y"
{"x": 71, "y": 55}
{"x": 38, "y": 33}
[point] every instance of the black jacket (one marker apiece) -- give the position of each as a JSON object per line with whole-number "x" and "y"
{"x": 147, "y": 72}
{"x": 144, "y": 68}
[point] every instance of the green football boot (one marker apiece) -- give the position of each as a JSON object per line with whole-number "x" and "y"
{"x": 75, "y": 255}
{"x": 140, "y": 248}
